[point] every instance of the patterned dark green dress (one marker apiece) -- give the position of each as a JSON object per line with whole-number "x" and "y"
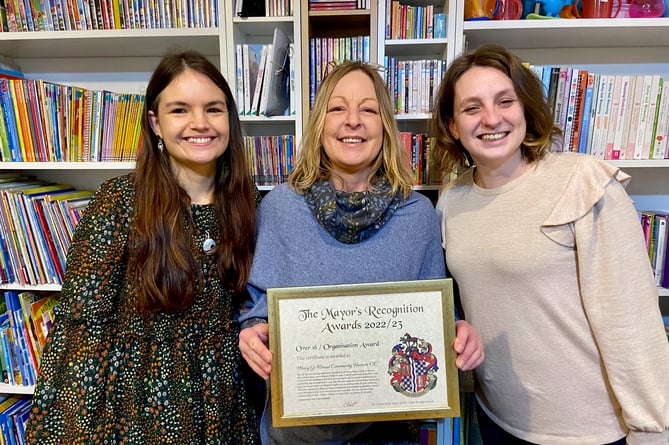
{"x": 110, "y": 377}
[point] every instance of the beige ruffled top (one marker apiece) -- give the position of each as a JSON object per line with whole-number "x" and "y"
{"x": 553, "y": 272}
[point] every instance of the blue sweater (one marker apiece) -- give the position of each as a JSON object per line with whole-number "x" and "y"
{"x": 294, "y": 250}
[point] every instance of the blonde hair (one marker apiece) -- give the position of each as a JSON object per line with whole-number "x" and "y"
{"x": 313, "y": 164}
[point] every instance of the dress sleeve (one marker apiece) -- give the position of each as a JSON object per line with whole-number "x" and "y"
{"x": 618, "y": 294}
{"x": 96, "y": 263}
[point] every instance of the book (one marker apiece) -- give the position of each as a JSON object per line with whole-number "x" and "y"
{"x": 613, "y": 110}
{"x": 648, "y": 136}
{"x": 41, "y": 312}
{"x": 552, "y": 87}
{"x": 7, "y": 419}
{"x": 277, "y": 74}
{"x": 9, "y": 407}
{"x": 635, "y": 99}
{"x": 641, "y": 151}
{"x": 620, "y": 123}
{"x": 239, "y": 70}
{"x": 252, "y": 53}
{"x": 588, "y": 112}
{"x": 660, "y": 144}
{"x": 599, "y": 136}
{"x": 661, "y": 240}
{"x": 564, "y": 89}
{"x": 292, "y": 89}
{"x": 579, "y": 103}
{"x": 665, "y": 272}
{"x": 260, "y": 77}
{"x": 27, "y": 367}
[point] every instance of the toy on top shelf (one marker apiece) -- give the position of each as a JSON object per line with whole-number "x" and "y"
{"x": 552, "y": 8}
{"x": 481, "y": 9}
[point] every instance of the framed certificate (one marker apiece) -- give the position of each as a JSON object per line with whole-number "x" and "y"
{"x": 363, "y": 352}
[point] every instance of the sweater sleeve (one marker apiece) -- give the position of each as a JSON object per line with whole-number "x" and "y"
{"x": 619, "y": 295}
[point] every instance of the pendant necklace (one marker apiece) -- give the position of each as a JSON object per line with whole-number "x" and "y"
{"x": 209, "y": 245}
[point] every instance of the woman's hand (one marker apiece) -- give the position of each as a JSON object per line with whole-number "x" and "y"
{"x": 468, "y": 345}
{"x": 253, "y": 343}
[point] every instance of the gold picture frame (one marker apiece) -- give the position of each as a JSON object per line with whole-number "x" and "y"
{"x": 363, "y": 352}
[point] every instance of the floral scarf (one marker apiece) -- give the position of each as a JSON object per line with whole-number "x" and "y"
{"x": 352, "y": 217}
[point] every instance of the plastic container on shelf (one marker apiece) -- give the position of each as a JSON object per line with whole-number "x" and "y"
{"x": 646, "y": 8}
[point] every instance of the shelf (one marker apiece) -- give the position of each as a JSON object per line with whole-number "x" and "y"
{"x": 267, "y": 119}
{"x": 259, "y": 26}
{"x": 663, "y": 292}
{"x": 107, "y": 43}
{"x": 67, "y": 166}
{"x": 569, "y": 33}
{"x": 16, "y": 389}
{"x": 30, "y": 287}
{"x": 415, "y": 47}
{"x": 641, "y": 163}
{"x": 413, "y": 117}
{"x": 341, "y": 13}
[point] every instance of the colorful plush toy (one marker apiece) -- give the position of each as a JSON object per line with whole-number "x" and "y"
{"x": 552, "y": 8}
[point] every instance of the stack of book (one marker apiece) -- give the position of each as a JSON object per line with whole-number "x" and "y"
{"x": 609, "y": 116}
{"x": 47, "y": 122}
{"x": 655, "y": 226}
{"x": 64, "y": 15}
{"x": 265, "y": 76}
{"x": 336, "y": 5}
{"x": 14, "y": 412}
{"x": 25, "y": 321}
{"x": 37, "y": 222}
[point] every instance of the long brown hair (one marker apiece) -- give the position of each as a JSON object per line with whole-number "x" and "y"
{"x": 448, "y": 154}
{"x": 161, "y": 259}
{"x": 313, "y": 163}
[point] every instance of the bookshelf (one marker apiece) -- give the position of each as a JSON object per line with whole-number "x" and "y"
{"x": 122, "y": 60}
{"x": 259, "y": 30}
{"x": 331, "y": 24}
{"x": 401, "y": 44}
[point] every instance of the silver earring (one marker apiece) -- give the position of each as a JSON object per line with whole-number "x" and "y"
{"x": 161, "y": 145}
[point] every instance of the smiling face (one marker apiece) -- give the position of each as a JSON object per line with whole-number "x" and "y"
{"x": 489, "y": 119}
{"x": 192, "y": 120}
{"x": 353, "y": 131}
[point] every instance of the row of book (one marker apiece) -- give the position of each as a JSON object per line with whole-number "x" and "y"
{"x": 266, "y": 77}
{"x": 66, "y": 15}
{"x": 14, "y": 413}
{"x": 418, "y": 147}
{"x": 48, "y": 122}
{"x": 37, "y": 222}
{"x": 327, "y": 52}
{"x": 413, "y": 84}
{"x": 609, "y": 116}
{"x": 264, "y": 8}
{"x": 656, "y": 233}
{"x": 270, "y": 158}
{"x": 25, "y": 321}
{"x": 414, "y": 22}
{"x": 338, "y": 5}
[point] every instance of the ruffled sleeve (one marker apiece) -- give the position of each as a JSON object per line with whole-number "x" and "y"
{"x": 596, "y": 216}
{"x": 584, "y": 189}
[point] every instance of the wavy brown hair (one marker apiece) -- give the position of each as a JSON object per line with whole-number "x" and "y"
{"x": 162, "y": 261}
{"x": 313, "y": 164}
{"x": 448, "y": 154}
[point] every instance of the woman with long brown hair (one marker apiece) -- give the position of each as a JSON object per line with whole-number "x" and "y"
{"x": 143, "y": 348}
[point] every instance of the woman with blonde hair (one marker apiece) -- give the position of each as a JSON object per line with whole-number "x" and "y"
{"x": 346, "y": 215}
